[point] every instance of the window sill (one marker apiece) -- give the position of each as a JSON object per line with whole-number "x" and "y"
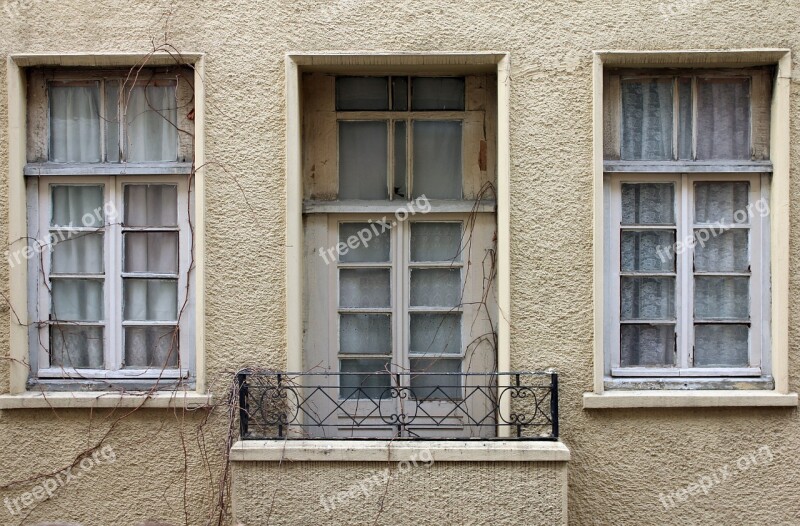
{"x": 397, "y": 451}
{"x": 106, "y": 400}
{"x": 687, "y": 166}
{"x": 704, "y": 398}
{"x": 148, "y": 168}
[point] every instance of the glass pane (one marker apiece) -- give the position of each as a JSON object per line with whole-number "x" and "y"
{"x": 647, "y": 298}
{"x": 363, "y": 155}
{"x": 446, "y": 385}
{"x": 364, "y": 288}
{"x": 647, "y": 345}
{"x": 77, "y": 206}
{"x": 77, "y": 253}
{"x": 724, "y": 252}
{"x": 155, "y": 252}
{"x": 75, "y": 124}
{"x": 400, "y": 160}
{"x": 370, "y": 246}
{"x": 76, "y": 300}
{"x": 437, "y": 93}
{"x": 437, "y": 159}
{"x": 721, "y": 297}
{"x": 151, "y": 299}
{"x": 362, "y": 93}
{"x": 648, "y": 251}
{"x": 151, "y": 205}
{"x": 365, "y": 378}
{"x": 647, "y": 107}
{"x": 435, "y": 241}
{"x": 435, "y": 287}
{"x": 721, "y": 202}
{"x": 723, "y": 118}
{"x": 400, "y": 93}
{"x": 685, "y": 118}
{"x": 648, "y": 204}
{"x": 78, "y": 347}
{"x": 721, "y": 345}
{"x": 435, "y": 333}
{"x": 365, "y": 334}
{"x": 151, "y": 347}
{"x": 112, "y": 121}
{"x": 152, "y": 117}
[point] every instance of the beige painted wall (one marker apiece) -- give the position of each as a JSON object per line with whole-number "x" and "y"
{"x": 621, "y": 459}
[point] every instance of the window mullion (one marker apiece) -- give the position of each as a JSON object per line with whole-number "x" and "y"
{"x": 401, "y": 301}
{"x": 113, "y": 283}
{"x": 685, "y": 323}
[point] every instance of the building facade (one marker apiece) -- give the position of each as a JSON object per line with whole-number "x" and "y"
{"x": 399, "y": 263}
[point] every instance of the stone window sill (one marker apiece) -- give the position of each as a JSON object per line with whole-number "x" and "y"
{"x": 398, "y": 451}
{"x": 106, "y": 400}
{"x": 700, "y": 398}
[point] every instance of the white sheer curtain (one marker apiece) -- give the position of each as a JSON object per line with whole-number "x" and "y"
{"x": 152, "y": 116}
{"x": 723, "y": 119}
{"x": 437, "y": 159}
{"x": 647, "y": 108}
{"x": 74, "y": 124}
{"x": 151, "y": 347}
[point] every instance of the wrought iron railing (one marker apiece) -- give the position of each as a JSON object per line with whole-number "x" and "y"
{"x": 425, "y": 405}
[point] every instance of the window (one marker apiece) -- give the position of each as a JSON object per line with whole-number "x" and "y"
{"x": 112, "y": 290}
{"x": 399, "y": 226}
{"x": 687, "y": 192}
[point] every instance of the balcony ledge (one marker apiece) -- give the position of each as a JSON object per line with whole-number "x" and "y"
{"x": 704, "y": 398}
{"x": 398, "y": 451}
{"x": 106, "y": 400}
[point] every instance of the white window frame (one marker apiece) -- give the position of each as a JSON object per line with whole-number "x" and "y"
{"x": 113, "y": 190}
{"x": 759, "y": 357}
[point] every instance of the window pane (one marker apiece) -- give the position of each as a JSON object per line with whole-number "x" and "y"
{"x": 648, "y": 298}
{"x": 648, "y": 251}
{"x": 370, "y": 247}
{"x": 151, "y": 205}
{"x": 362, "y": 93}
{"x": 400, "y": 160}
{"x": 721, "y": 202}
{"x": 721, "y": 345}
{"x": 364, "y": 288}
{"x": 437, "y": 93}
{"x": 724, "y": 252}
{"x": 77, "y": 206}
{"x": 151, "y": 347}
{"x": 365, "y": 334}
{"x": 647, "y": 345}
{"x": 723, "y": 118}
{"x": 647, "y": 108}
{"x": 151, "y": 299}
{"x": 74, "y": 124}
{"x": 400, "y": 93}
{"x": 155, "y": 252}
{"x": 685, "y": 119}
{"x": 112, "y": 121}
{"x": 152, "y": 117}
{"x": 435, "y": 333}
{"x": 76, "y": 300}
{"x": 436, "y": 386}
{"x": 648, "y": 204}
{"x": 435, "y": 241}
{"x": 77, "y": 253}
{"x": 372, "y": 382}
{"x": 437, "y": 159}
{"x": 435, "y": 287}
{"x": 78, "y": 347}
{"x": 721, "y": 297}
{"x": 363, "y": 160}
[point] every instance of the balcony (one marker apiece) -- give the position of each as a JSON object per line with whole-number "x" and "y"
{"x": 411, "y": 406}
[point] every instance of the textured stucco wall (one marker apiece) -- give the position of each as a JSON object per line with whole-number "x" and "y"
{"x": 621, "y": 459}
{"x": 425, "y": 494}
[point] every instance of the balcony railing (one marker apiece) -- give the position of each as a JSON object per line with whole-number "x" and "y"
{"x": 420, "y": 405}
